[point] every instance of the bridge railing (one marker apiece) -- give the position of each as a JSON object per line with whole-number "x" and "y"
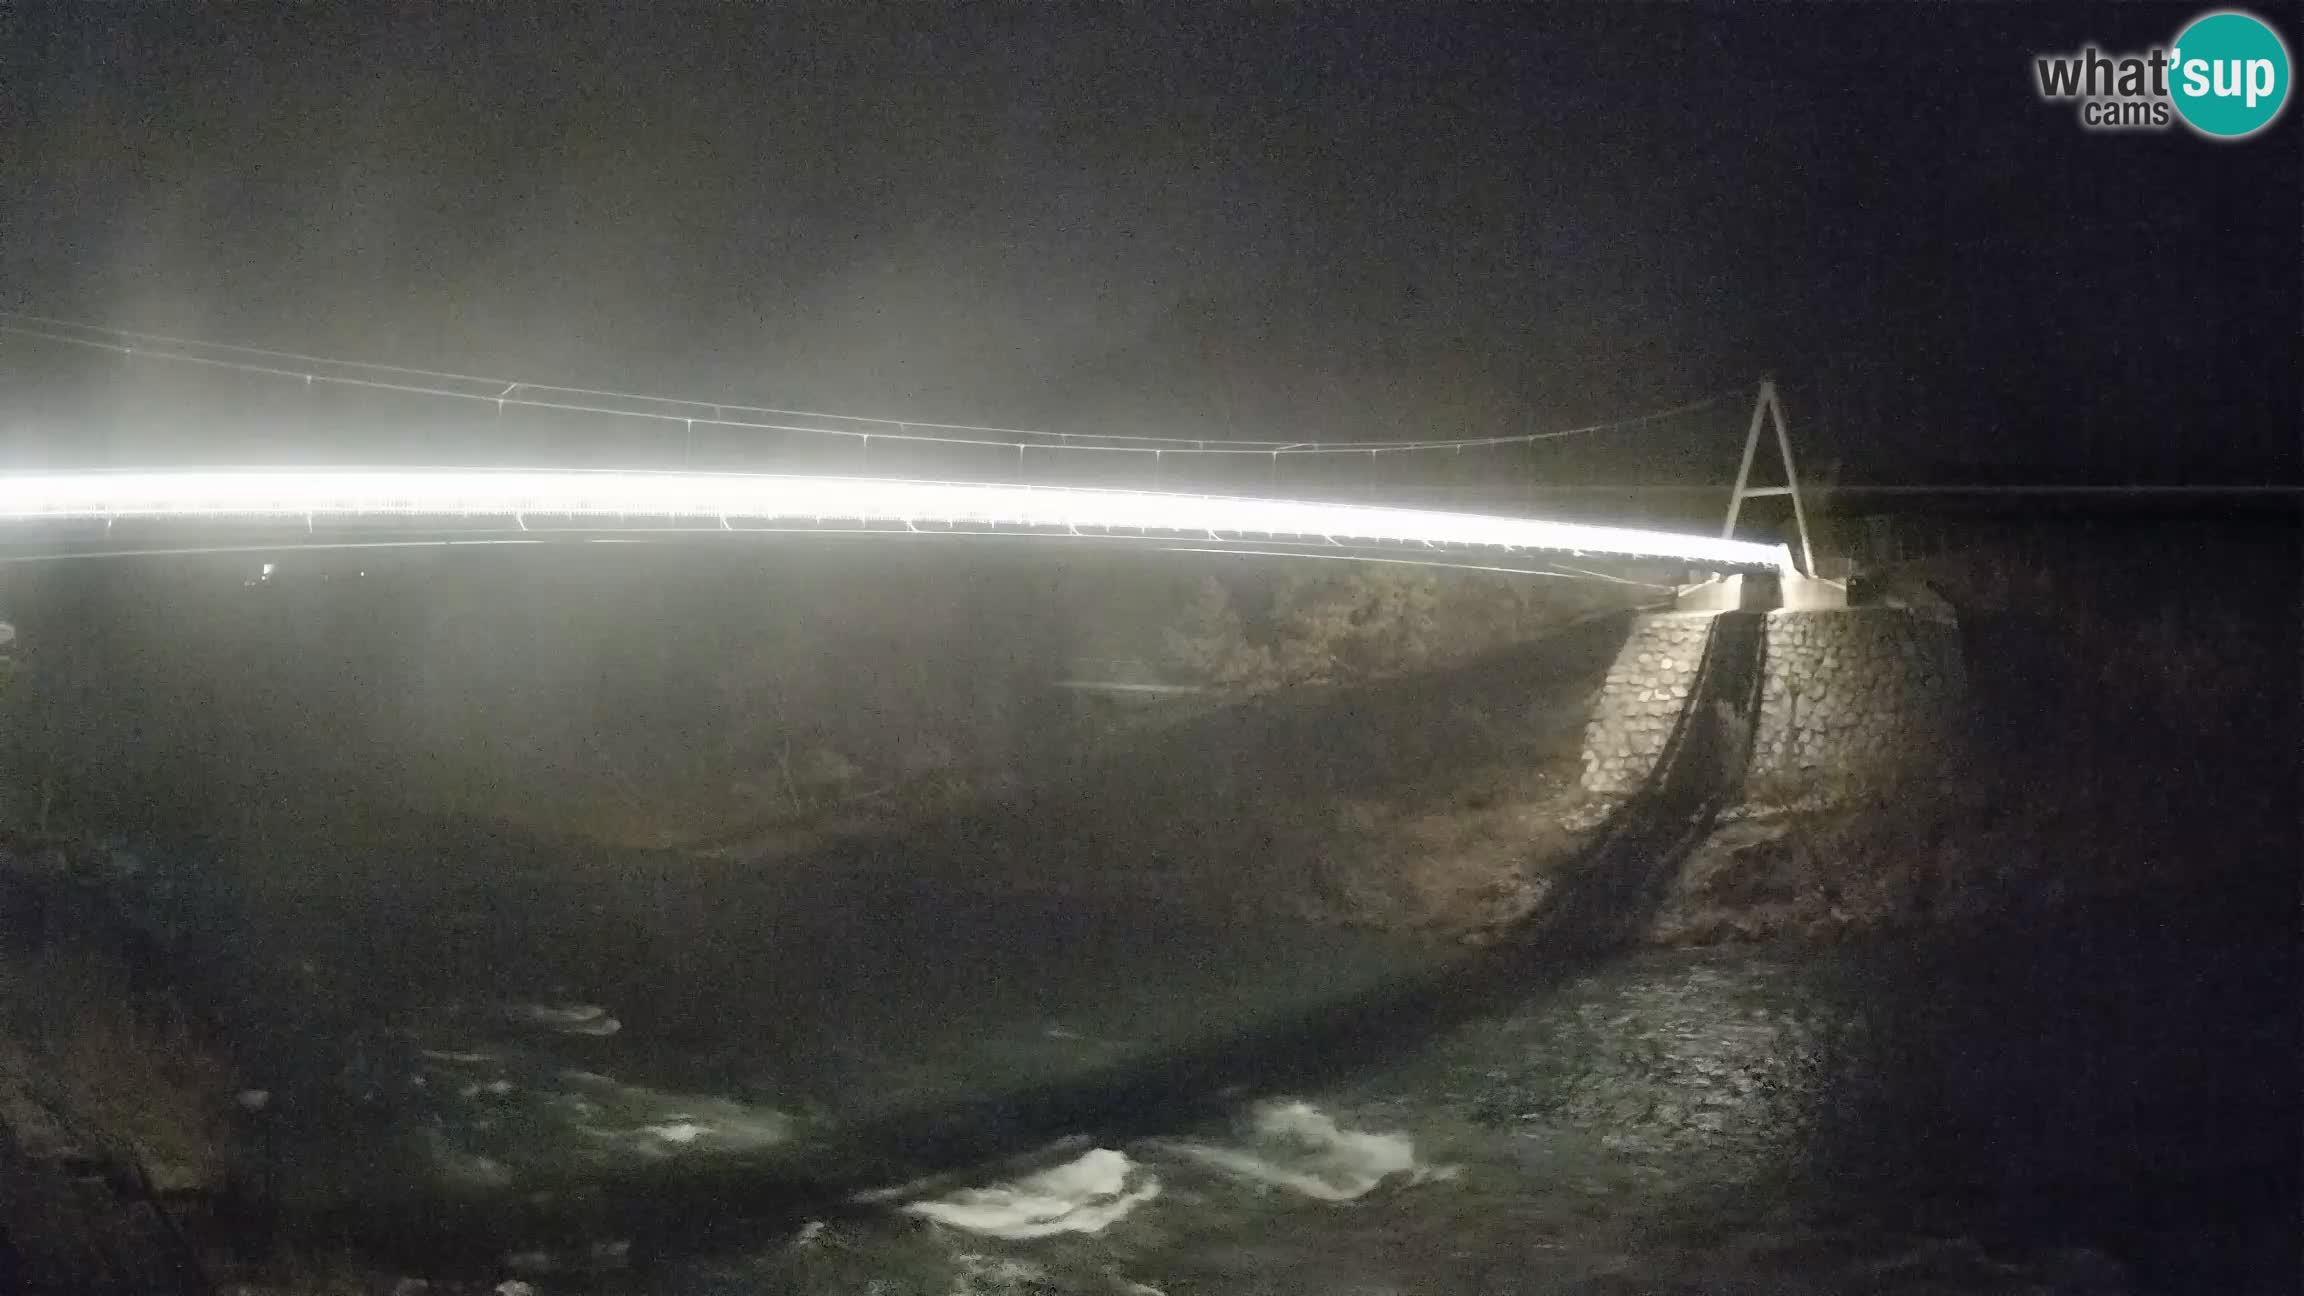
{"x": 74, "y": 397}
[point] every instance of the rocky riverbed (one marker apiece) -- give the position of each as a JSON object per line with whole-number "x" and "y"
{"x": 470, "y": 1062}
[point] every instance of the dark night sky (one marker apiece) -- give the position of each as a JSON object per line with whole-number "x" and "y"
{"x": 1288, "y": 221}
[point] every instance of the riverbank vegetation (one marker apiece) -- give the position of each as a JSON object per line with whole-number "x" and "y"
{"x": 1360, "y": 745}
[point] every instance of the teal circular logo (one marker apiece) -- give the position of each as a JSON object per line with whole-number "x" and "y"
{"x": 2228, "y": 75}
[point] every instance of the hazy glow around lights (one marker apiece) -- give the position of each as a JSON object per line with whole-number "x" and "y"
{"x": 350, "y": 494}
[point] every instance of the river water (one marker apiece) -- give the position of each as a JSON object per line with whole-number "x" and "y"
{"x": 642, "y": 1076}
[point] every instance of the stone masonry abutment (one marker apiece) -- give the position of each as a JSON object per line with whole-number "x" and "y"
{"x": 1847, "y": 695}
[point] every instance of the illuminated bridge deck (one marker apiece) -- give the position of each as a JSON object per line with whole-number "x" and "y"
{"x": 108, "y": 511}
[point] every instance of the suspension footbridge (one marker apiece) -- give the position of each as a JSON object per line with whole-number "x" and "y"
{"x": 109, "y": 449}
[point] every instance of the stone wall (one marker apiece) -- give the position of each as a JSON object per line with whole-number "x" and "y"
{"x": 1846, "y": 694}
{"x": 1856, "y": 692}
{"x": 1647, "y": 686}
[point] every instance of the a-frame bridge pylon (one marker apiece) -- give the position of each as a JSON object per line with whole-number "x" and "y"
{"x": 1770, "y": 409}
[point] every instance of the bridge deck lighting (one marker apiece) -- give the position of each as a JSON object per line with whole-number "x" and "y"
{"x": 299, "y": 495}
